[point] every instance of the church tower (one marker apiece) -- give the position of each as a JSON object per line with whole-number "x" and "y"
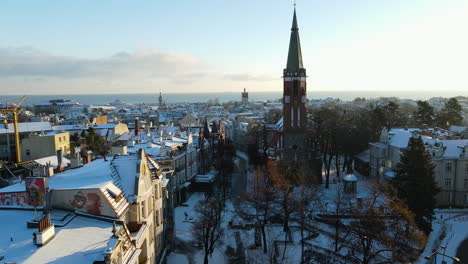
{"x": 294, "y": 87}
{"x": 294, "y": 133}
{"x": 245, "y": 97}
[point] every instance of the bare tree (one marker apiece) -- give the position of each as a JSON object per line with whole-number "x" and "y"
{"x": 338, "y": 207}
{"x": 257, "y": 204}
{"x": 384, "y": 230}
{"x": 306, "y": 198}
{"x": 207, "y": 230}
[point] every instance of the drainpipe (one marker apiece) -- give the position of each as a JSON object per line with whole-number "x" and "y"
{"x": 455, "y": 181}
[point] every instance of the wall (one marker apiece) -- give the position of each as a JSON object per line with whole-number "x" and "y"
{"x": 119, "y": 129}
{"x": 84, "y": 200}
{"x": 14, "y": 199}
{"x": 44, "y": 146}
{"x": 100, "y": 120}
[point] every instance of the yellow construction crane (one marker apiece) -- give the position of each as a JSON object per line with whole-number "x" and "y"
{"x": 15, "y": 111}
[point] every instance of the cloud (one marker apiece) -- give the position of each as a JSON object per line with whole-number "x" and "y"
{"x": 27, "y": 70}
{"x": 242, "y": 77}
{"x": 30, "y": 62}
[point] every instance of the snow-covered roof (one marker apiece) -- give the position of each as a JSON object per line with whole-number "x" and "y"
{"x": 107, "y": 126}
{"x": 125, "y": 136}
{"x": 350, "y": 177}
{"x": 209, "y": 177}
{"x": 53, "y": 161}
{"x": 458, "y": 129}
{"x": 390, "y": 174}
{"x": 82, "y": 240}
{"x": 150, "y": 148}
{"x": 452, "y": 147}
{"x": 69, "y": 127}
{"x": 26, "y": 127}
{"x": 103, "y": 107}
{"x": 96, "y": 174}
{"x": 126, "y": 174}
{"x": 399, "y": 137}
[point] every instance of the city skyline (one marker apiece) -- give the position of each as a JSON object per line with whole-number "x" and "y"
{"x": 211, "y": 46}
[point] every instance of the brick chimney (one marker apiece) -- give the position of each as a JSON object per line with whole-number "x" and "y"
{"x": 46, "y": 231}
{"x": 59, "y": 161}
{"x": 137, "y": 127}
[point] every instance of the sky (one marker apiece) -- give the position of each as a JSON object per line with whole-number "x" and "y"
{"x": 187, "y": 46}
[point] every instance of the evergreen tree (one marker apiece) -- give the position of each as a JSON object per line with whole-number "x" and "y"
{"x": 416, "y": 184}
{"x": 451, "y": 114}
{"x": 425, "y": 114}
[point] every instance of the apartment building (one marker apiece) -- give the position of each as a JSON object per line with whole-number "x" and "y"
{"x": 36, "y": 146}
{"x": 449, "y": 155}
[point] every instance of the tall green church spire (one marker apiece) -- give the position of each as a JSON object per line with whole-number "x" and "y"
{"x": 294, "y": 54}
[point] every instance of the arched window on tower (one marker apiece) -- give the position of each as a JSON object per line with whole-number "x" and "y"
{"x": 295, "y": 88}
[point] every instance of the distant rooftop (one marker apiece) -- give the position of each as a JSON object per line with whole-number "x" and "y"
{"x": 26, "y": 127}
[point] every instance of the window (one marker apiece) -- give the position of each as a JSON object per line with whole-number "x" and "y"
{"x": 448, "y": 182}
{"x": 383, "y": 164}
{"x": 448, "y": 196}
{"x": 143, "y": 209}
{"x": 466, "y": 169}
{"x": 465, "y": 183}
{"x": 448, "y": 166}
{"x": 157, "y": 217}
{"x": 161, "y": 214}
{"x": 465, "y": 199}
{"x": 295, "y": 88}
{"x": 60, "y": 139}
{"x": 28, "y": 152}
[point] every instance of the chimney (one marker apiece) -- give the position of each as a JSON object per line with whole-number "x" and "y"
{"x": 59, "y": 160}
{"x": 137, "y": 127}
{"x": 46, "y": 232}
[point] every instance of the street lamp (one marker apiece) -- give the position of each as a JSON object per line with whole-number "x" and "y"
{"x": 436, "y": 252}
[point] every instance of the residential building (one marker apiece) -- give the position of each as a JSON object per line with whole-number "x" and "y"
{"x": 7, "y": 136}
{"x": 449, "y": 155}
{"x": 127, "y": 190}
{"x": 36, "y": 146}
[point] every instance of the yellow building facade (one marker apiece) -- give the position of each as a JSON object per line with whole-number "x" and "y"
{"x": 36, "y": 146}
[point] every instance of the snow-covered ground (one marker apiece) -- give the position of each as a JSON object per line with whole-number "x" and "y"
{"x": 185, "y": 216}
{"x": 450, "y": 230}
{"x": 454, "y": 224}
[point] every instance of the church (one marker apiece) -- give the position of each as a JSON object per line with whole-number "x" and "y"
{"x": 291, "y": 137}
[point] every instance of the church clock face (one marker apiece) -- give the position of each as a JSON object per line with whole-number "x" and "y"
{"x": 304, "y": 99}
{"x": 287, "y": 99}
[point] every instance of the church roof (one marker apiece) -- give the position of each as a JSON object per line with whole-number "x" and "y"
{"x": 295, "y": 53}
